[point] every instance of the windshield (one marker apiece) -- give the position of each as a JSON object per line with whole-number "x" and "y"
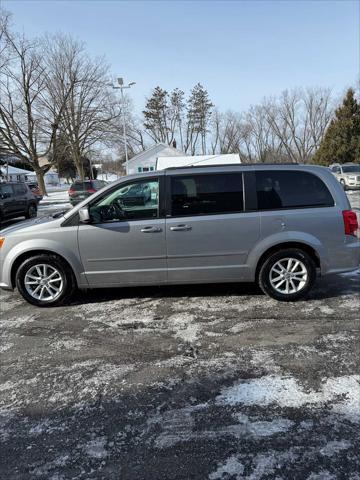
{"x": 351, "y": 168}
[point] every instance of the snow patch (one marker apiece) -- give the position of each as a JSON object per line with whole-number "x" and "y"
{"x": 343, "y": 392}
{"x": 231, "y": 467}
{"x": 331, "y": 448}
{"x": 96, "y": 448}
{"x": 264, "y": 428}
{"x": 323, "y": 475}
{"x": 7, "y": 346}
{"x": 184, "y": 327}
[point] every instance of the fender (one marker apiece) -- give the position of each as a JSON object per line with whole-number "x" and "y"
{"x": 50, "y": 246}
{"x": 286, "y": 237}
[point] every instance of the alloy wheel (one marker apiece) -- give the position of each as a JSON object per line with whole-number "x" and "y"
{"x": 44, "y": 282}
{"x": 288, "y": 275}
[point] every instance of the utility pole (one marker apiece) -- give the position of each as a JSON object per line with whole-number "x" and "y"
{"x": 121, "y": 87}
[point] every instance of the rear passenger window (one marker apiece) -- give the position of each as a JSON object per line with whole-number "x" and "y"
{"x": 206, "y": 194}
{"x": 80, "y": 186}
{"x": 291, "y": 189}
{"x": 19, "y": 189}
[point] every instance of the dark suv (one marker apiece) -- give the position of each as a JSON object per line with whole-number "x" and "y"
{"x": 16, "y": 200}
{"x": 80, "y": 190}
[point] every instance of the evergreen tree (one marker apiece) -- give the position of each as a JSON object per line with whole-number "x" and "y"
{"x": 198, "y": 117}
{"x": 176, "y": 114}
{"x": 156, "y": 115}
{"x": 341, "y": 142}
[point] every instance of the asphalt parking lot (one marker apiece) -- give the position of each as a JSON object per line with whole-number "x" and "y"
{"x": 196, "y": 382}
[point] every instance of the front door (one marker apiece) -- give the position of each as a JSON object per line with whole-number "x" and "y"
{"x": 209, "y": 235}
{"x": 125, "y": 242}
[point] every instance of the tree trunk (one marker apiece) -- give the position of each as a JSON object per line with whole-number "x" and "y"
{"x": 79, "y": 166}
{"x": 41, "y": 181}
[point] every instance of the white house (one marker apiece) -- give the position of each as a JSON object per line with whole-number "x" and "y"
{"x": 14, "y": 174}
{"x": 146, "y": 160}
{"x": 183, "y": 161}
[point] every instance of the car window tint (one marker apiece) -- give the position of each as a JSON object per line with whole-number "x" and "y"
{"x": 351, "y": 168}
{"x": 80, "y": 186}
{"x": 206, "y": 194}
{"x": 290, "y": 189}
{"x": 134, "y": 201}
{"x": 19, "y": 189}
{"x": 6, "y": 189}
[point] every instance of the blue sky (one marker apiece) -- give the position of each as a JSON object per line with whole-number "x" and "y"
{"x": 241, "y": 51}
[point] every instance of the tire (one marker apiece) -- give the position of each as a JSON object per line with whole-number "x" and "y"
{"x": 297, "y": 283}
{"x": 343, "y": 184}
{"x": 28, "y": 272}
{"x": 31, "y": 211}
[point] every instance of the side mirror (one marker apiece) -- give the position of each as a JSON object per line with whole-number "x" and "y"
{"x": 84, "y": 215}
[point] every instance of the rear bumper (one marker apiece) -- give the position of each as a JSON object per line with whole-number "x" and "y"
{"x": 345, "y": 259}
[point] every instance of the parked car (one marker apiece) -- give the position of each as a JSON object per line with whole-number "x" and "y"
{"x": 138, "y": 194}
{"x": 80, "y": 190}
{"x": 34, "y": 187}
{"x": 348, "y": 174}
{"x": 278, "y": 225}
{"x": 16, "y": 200}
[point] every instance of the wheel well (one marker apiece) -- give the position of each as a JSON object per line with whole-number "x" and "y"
{"x": 21, "y": 258}
{"x": 280, "y": 246}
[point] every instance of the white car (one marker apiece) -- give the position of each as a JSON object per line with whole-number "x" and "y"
{"x": 348, "y": 174}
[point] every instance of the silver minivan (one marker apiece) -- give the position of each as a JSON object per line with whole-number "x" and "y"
{"x": 278, "y": 225}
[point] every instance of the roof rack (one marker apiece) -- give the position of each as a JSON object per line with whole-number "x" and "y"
{"x": 231, "y": 165}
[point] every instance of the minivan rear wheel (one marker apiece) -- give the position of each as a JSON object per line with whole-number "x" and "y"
{"x": 287, "y": 275}
{"x": 45, "y": 280}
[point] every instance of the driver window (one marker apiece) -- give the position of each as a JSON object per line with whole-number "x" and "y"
{"x": 134, "y": 201}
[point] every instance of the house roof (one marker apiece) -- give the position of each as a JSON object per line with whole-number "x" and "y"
{"x": 228, "y": 158}
{"x": 158, "y": 147}
{"x": 16, "y": 171}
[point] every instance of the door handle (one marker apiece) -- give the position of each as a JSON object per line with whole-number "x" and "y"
{"x": 180, "y": 228}
{"x": 150, "y": 229}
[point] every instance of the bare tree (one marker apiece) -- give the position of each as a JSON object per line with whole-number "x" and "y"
{"x": 227, "y": 132}
{"x": 299, "y": 119}
{"x": 91, "y": 111}
{"x": 5, "y": 17}
{"x": 24, "y": 131}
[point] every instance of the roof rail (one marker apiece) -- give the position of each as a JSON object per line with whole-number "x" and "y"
{"x": 230, "y": 165}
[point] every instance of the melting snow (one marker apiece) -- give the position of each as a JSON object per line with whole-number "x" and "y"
{"x": 344, "y": 392}
{"x": 185, "y": 327}
{"x": 96, "y": 448}
{"x": 231, "y": 466}
{"x": 331, "y": 448}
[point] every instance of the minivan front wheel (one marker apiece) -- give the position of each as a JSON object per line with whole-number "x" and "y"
{"x": 287, "y": 275}
{"x": 45, "y": 280}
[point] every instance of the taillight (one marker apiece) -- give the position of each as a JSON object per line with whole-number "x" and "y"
{"x": 91, "y": 190}
{"x": 350, "y": 222}
{"x": 71, "y": 192}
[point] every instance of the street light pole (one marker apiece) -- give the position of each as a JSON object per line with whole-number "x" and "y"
{"x": 124, "y": 132}
{"x": 121, "y": 87}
